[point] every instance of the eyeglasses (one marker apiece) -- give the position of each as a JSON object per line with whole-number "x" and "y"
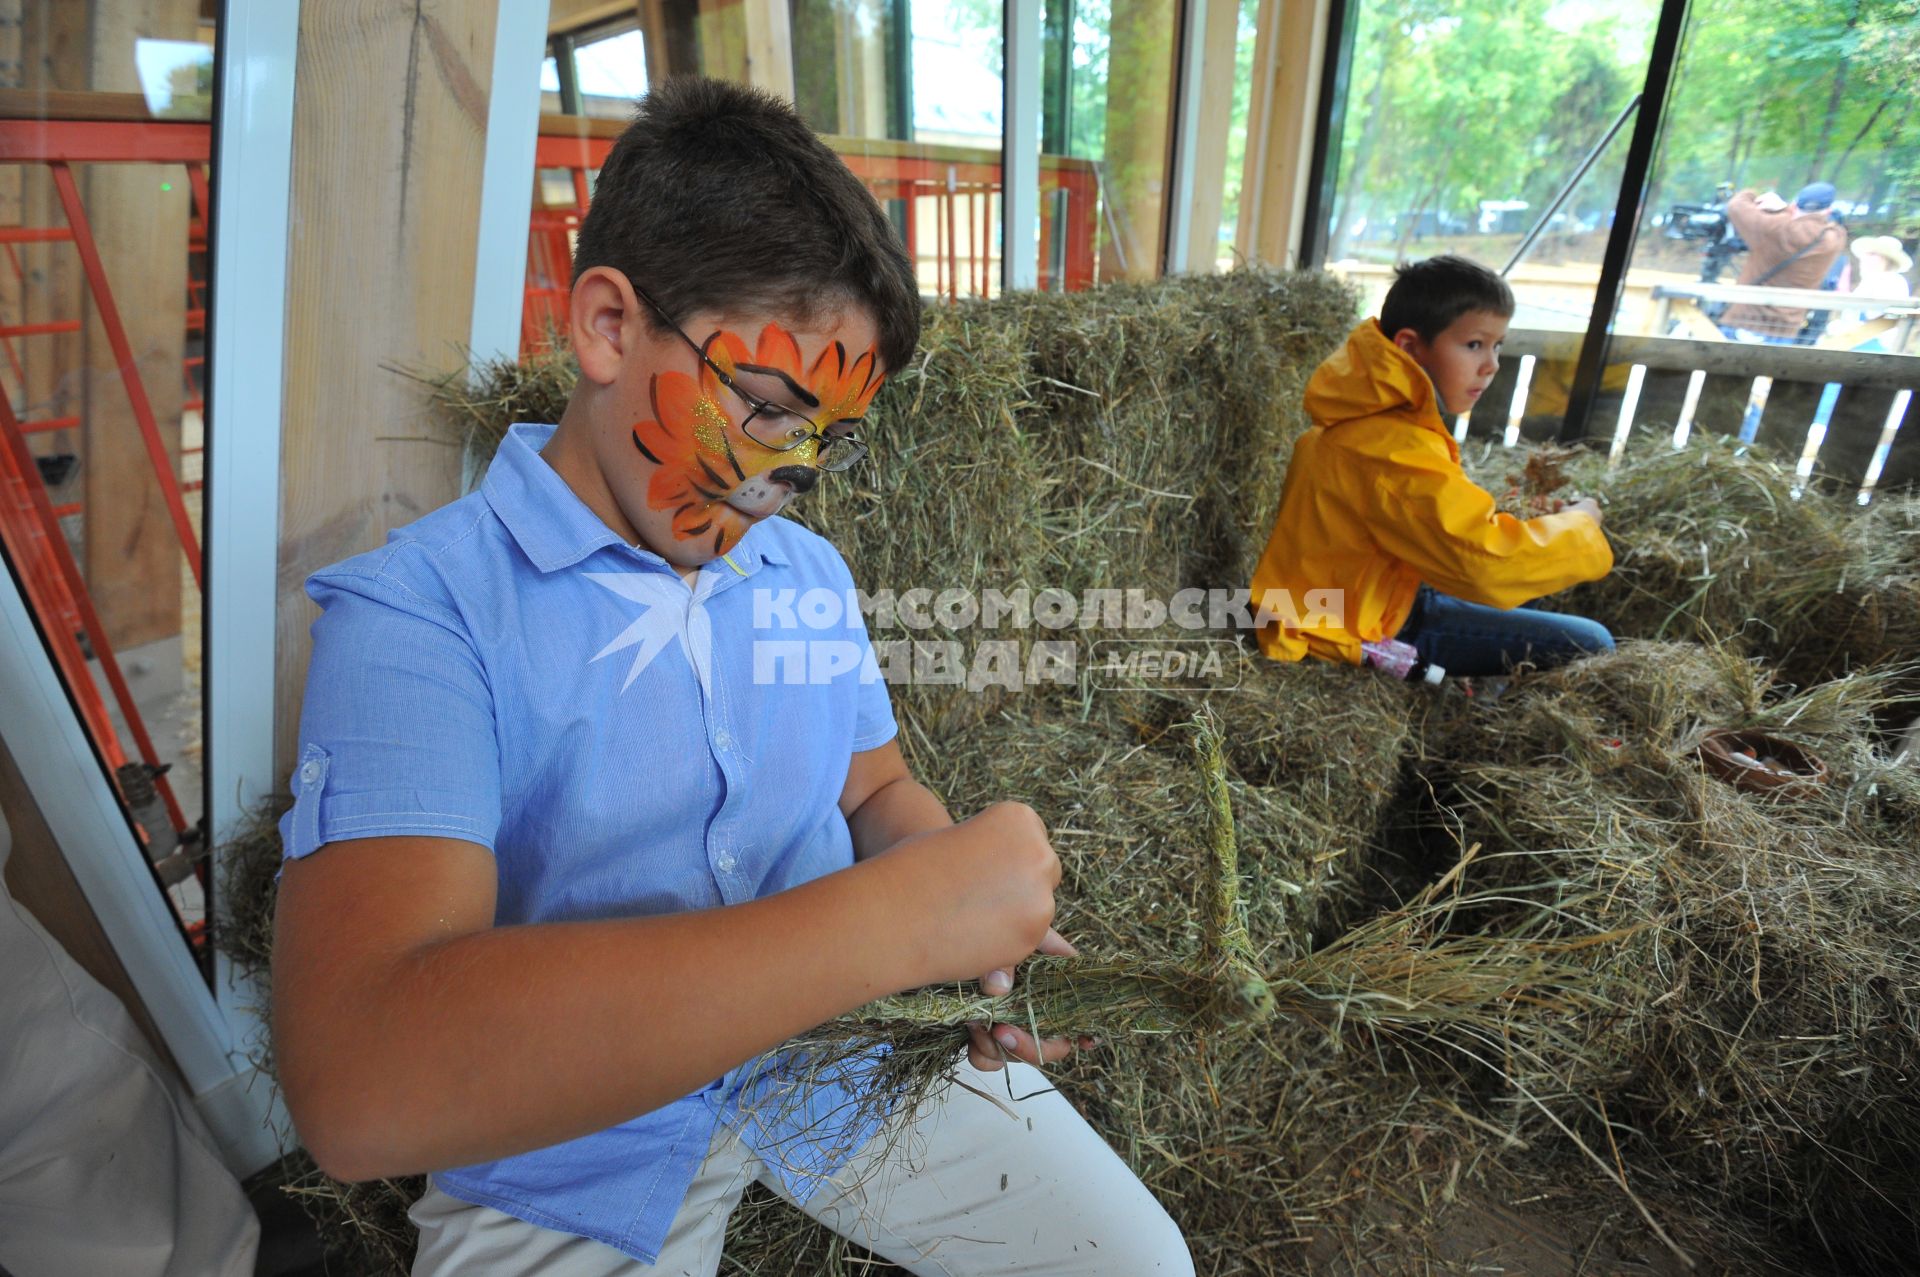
{"x": 770, "y": 424}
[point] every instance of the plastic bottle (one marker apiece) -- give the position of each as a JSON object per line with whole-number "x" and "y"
{"x": 1401, "y": 660}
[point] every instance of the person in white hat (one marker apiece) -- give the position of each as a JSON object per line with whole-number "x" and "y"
{"x": 1883, "y": 272}
{"x": 1883, "y": 275}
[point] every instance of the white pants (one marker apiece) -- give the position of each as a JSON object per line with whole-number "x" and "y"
{"x": 106, "y": 1169}
{"x": 1018, "y": 1186}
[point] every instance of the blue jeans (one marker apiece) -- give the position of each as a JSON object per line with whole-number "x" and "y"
{"x": 1469, "y": 638}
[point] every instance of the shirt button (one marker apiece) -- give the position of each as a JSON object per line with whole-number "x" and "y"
{"x": 725, "y": 862}
{"x": 721, "y": 739}
{"x": 310, "y": 773}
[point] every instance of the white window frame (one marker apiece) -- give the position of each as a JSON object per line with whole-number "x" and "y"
{"x": 216, "y": 1035}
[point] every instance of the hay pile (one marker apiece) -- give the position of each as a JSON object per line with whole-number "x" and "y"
{"x": 1719, "y": 544}
{"x": 1134, "y": 438}
{"x": 1762, "y": 1033}
{"x": 1129, "y": 438}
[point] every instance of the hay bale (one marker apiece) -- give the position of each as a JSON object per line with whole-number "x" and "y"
{"x": 1130, "y": 437}
{"x": 1717, "y": 543}
{"x": 1765, "y": 1024}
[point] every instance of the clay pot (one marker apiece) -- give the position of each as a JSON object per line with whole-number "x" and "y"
{"x": 1762, "y": 764}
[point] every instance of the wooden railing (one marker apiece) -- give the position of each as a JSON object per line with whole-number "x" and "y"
{"x": 1839, "y": 412}
{"x": 1814, "y": 299}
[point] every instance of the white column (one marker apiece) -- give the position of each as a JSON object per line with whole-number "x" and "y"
{"x": 252, "y": 175}
{"x": 1020, "y": 141}
{"x": 506, "y": 188}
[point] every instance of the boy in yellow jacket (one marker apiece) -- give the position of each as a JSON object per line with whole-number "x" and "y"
{"x": 1376, "y": 505}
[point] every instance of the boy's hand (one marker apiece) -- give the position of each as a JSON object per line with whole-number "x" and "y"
{"x": 986, "y": 885}
{"x": 993, "y": 1045}
{"x": 1587, "y": 506}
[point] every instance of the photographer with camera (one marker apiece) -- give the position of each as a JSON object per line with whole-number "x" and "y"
{"x": 1791, "y": 246}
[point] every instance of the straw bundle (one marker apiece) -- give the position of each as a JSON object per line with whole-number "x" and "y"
{"x": 1765, "y": 1022}
{"x": 1718, "y": 543}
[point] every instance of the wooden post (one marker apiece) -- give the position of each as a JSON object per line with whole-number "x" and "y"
{"x": 770, "y": 47}
{"x": 670, "y": 29}
{"x": 564, "y": 16}
{"x": 139, "y": 214}
{"x": 860, "y": 67}
{"x": 1142, "y": 43}
{"x": 390, "y": 115}
{"x": 1220, "y": 37}
{"x": 1289, "y": 53}
{"x": 748, "y": 42}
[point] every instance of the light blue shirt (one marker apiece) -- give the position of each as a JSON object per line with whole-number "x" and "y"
{"x": 508, "y": 672}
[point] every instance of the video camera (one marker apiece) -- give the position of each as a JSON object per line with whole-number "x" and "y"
{"x": 1707, "y": 222}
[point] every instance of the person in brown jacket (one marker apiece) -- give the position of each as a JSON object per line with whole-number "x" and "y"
{"x": 1790, "y": 246}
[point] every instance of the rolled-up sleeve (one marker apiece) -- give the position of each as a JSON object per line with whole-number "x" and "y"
{"x": 397, "y": 732}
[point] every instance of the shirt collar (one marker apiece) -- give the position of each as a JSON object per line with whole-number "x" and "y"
{"x": 555, "y": 529}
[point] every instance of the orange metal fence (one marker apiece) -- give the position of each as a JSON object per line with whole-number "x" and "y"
{"x": 951, "y": 196}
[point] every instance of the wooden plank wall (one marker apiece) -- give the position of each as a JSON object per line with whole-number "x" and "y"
{"x": 390, "y": 115}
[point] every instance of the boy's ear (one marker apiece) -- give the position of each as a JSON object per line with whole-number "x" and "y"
{"x": 602, "y": 322}
{"x": 1409, "y": 340}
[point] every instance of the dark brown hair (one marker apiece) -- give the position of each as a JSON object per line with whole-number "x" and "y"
{"x": 718, "y": 197}
{"x": 1429, "y": 295}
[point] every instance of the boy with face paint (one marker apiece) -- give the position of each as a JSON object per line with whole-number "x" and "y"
{"x": 568, "y": 858}
{"x": 1377, "y": 508}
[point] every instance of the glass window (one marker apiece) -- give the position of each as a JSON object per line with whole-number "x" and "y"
{"x": 611, "y": 71}
{"x": 1107, "y": 103}
{"x": 1247, "y": 18}
{"x": 1464, "y": 122}
{"x": 101, "y": 458}
{"x": 909, "y": 92}
{"x": 1770, "y": 290}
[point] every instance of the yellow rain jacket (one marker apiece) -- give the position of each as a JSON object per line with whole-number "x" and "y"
{"x": 1375, "y": 503}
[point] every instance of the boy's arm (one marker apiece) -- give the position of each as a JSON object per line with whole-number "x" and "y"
{"x": 1425, "y": 512}
{"x": 884, "y": 806}
{"x": 412, "y": 1034}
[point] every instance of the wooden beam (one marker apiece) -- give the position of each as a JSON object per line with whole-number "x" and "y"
{"x": 1289, "y": 53}
{"x": 382, "y": 279}
{"x": 63, "y": 104}
{"x": 1732, "y": 358}
{"x": 565, "y": 16}
{"x": 1220, "y": 38}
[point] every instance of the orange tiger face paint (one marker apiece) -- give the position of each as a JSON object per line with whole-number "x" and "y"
{"x": 715, "y": 478}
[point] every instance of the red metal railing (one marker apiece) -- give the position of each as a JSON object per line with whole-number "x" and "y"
{"x": 952, "y": 197}
{"x": 29, "y": 522}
